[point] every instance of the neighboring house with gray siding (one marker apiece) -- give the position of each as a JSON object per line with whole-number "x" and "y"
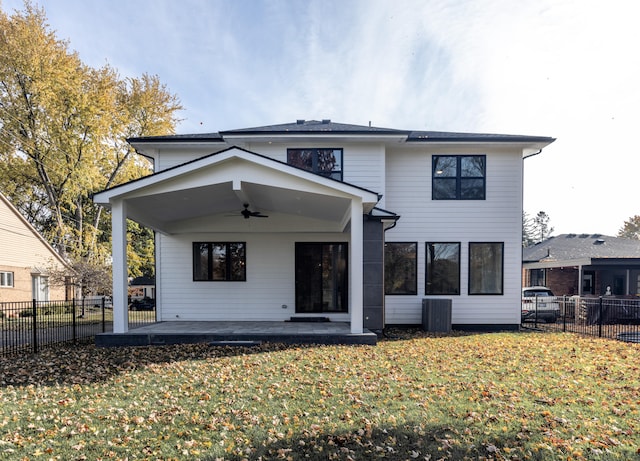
{"x": 323, "y": 219}
{"x": 584, "y": 264}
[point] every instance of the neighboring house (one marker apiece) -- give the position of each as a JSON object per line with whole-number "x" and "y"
{"x": 584, "y": 264}
{"x": 142, "y": 287}
{"x": 323, "y": 219}
{"x": 25, "y": 258}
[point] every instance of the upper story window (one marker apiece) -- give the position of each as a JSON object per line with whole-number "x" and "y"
{"x": 323, "y": 161}
{"x": 6, "y": 279}
{"x": 459, "y": 177}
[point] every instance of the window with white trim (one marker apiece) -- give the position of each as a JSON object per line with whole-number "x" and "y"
{"x": 6, "y": 279}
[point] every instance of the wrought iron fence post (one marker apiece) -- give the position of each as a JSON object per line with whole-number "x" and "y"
{"x": 103, "y": 322}
{"x": 600, "y": 317}
{"x": 535, "y": 315}
{"x": 73, "y": 321}
{"x": 34, "y": 320}
{"x": 564, "y": 313}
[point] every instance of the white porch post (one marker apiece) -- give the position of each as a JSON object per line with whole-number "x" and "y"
{"x": 355, "y": 263}
{"x": 119, "y": 266}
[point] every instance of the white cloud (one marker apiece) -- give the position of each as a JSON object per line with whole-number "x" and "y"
{"x": 563, "y": 68}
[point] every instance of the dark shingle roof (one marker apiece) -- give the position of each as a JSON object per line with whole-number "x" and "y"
{"x": 443, "y": 136}
{"x": 315, "y": 126}
{"x": 319, "y": 127}
{"x": 567, "y": 247}
{"x": 205, "y": 137}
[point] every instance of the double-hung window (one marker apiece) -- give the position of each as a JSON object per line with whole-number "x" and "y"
{"x": 458, "y": 177}
{"x": 443, "y": 269}
{"x": 225, "y": 261}
{"x": 323, "y": 161}
{"x": 6, "y": 279}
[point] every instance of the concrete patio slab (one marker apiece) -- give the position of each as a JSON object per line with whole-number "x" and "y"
{"x": 197, "y": 332}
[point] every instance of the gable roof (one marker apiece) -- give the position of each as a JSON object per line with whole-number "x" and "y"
{"x": 225, "y": 181}
{"x": 27, "y": 227}
{"x": 213, "y": 158}
{"x": 580, "y": 247}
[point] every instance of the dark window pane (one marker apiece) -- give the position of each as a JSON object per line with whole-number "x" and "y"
{"x": 444, "y": 189}
{"x": 443, "y": 269}
{"x": 219, "y": 255}
{"x": 238, "y": 269}
{"x": 472, "y": 166}
{"x": 326, "y": 162}
{"x": 472, "y": 189}
{"x": 200, "y": 261}
{"x": 445, "y": 167}
{"x": 400, "y": 268}
{"x": 486, "y": 268}
{"x": 300, "y": 158}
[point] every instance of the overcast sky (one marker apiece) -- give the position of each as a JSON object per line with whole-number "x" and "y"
{"x": 569, "y": 69}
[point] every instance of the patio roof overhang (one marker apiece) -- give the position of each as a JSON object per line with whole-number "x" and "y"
{"x": 209, "y": 193}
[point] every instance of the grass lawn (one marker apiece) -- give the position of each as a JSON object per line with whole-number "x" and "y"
{"x": 502, "y": 396}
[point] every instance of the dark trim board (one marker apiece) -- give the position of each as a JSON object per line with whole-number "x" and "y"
{"x": 470, "y": 327}
{"x": 486, "y": 327}
{"x": 145, "y": 339}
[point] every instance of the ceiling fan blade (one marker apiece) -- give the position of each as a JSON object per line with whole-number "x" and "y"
{"x": 251, "y": 214}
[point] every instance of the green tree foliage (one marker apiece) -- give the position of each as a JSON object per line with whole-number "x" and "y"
{"x": 631, "y": 228}
{"x": 63, "y": 131}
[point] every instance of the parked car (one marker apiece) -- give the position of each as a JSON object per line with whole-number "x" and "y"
{"x": 539, "y": 304}
{"x": 145, "y": 304}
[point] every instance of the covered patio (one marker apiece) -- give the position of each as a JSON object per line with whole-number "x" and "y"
{"x": 202, "y": 201}
{"x": 237, "y": 333}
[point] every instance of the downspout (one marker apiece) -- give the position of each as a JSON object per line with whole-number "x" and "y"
{"x": 532, "y": 155}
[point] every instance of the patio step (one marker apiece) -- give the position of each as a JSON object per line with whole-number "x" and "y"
{"x": 236, "y": 343}
{"x": 309, "y": 319}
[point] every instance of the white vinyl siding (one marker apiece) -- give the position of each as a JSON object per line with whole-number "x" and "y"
{"x": 363, "y": 165}
{"x": 498, "y": 218}
{"x": 173, "y": 157}
{"x": 403, "y": 175}
{"x": 270, "y": 279}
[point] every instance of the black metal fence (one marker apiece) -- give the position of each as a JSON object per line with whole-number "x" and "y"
{"x": 604, "y": 316}
{"x": 29, "y": 326}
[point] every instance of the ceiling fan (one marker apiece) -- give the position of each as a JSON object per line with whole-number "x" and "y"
{"x": 251, "y": 214}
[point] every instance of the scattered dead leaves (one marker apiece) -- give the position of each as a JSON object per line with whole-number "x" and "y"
{"x": 414, "y": 397}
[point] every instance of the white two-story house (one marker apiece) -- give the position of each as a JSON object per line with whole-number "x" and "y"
{"x": 352, "y": 223}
